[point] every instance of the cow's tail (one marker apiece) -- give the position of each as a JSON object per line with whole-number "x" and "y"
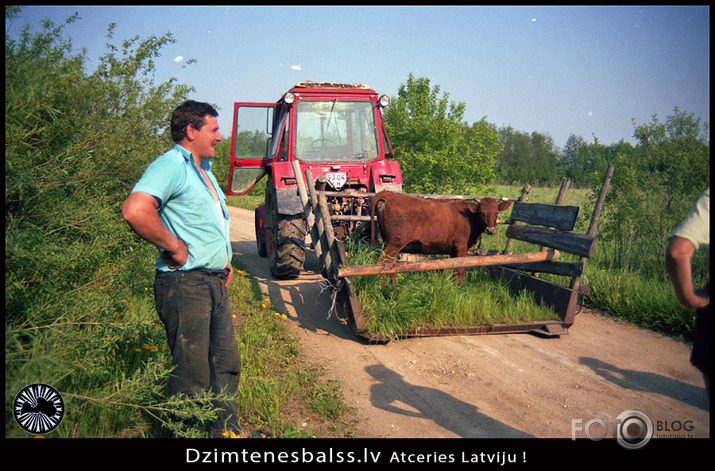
{"x": 373, "y": 215}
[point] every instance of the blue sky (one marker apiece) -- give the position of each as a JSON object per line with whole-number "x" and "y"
{"x": 556, "y": 70}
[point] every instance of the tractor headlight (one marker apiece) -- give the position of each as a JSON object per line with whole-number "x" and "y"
{"x": 289, "y": 98}
{"x": 384, "y": 101}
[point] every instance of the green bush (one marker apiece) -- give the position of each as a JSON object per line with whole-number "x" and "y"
{"x": 80, "y": 313}
{"x": 78, "y": 299}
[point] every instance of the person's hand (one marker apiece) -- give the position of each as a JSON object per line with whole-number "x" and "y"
{"x": 700, "y": 298}
{"x": 176, "y": 258}
{"x": 230, "y": 276}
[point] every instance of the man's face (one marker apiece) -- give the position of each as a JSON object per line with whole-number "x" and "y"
{"x": 203, "y": 141}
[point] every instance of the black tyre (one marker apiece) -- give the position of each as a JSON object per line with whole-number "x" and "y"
{"x": 260, "y": 235}
{"x": 285, "y": 241}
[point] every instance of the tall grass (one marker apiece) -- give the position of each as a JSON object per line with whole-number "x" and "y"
{"x": 631, "y": 293}
{"x": 276, "y": 378}
{"x": 435, "y": 299}
{"x": 112, "y": 370}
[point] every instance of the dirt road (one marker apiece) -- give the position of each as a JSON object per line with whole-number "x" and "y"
{"x": 497, "y": 386}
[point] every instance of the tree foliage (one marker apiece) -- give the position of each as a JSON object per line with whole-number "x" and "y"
{"x": 584, "y": 162}
{"x": 437, "y": 150}
{"x": 527, "y": 158}
{"x": 75, "y": 143}
{"x": 654, "y": 186}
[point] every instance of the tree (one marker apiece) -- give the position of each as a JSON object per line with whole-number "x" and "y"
{"x": 575, "y": 159}
{"x": 527, "y": 158}
{"x": 75, "y": 144}
{"x": 675, "y": 155}
{"x": 654, "y": 187}
{"x": 437, "y": 150}
{"x": 585, "y": 163}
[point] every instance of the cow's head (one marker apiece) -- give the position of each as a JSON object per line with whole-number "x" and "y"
{"x": 488, "y": 211}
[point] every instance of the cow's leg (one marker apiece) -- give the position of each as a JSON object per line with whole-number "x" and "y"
{"x": 391, "y": 254}
{"x": 459, "y": 272}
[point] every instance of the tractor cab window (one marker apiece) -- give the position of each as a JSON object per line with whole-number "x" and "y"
{"x": 335, "y": 131}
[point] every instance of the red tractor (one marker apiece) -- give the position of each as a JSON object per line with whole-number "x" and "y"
{"x": 334, "y": 129}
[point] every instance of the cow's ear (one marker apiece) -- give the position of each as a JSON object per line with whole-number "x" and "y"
{"x": 504, "y": 205}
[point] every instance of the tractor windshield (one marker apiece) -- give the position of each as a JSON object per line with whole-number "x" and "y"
{"x": 335, "y": 131}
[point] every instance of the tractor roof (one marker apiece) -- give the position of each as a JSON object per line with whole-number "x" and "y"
{"x": 310, "y": 84}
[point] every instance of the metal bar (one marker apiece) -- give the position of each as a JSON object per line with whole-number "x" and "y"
{"x": 547, "y": 327}
{"x": 562, "y": 300}
{"x": 342, "y": 217}
{"x": 332, "y": 269}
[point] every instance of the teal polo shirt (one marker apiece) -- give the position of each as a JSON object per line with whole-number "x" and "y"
{"x": 187, "y": 209}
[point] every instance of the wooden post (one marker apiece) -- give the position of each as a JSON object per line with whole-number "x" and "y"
{"x": 576, "y": 281}
{"x": 523, "y": 198}
{"x": 314, "y": 226}
{"x": 321, "y": 249}
{"x": 560, "y": 198}
{"x": 331, "y": 243}
{"x": 446, "y": 263}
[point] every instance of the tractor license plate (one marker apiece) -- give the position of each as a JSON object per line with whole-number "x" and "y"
{"x": 337, "y": 180}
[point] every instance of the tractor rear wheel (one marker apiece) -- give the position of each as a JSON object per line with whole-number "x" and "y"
{"x": 260, "y": 232}
{"x": 285, "y": 241}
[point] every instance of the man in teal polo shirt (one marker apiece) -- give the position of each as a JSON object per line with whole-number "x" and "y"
{"x": 177, "y": 205}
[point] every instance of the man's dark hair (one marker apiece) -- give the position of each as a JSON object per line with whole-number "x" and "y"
{"x": 189, "y": 112}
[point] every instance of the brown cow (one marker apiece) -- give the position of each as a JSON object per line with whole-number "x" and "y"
{"x": 431, "y": 226}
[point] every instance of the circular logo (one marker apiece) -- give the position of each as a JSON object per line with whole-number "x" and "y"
{"x": 634, "y": 429}
{"x": 38, "y": 408}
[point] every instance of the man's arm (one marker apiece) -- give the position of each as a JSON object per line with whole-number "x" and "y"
{"x": 678, "y": 263}
{"x": 140, "y": 212}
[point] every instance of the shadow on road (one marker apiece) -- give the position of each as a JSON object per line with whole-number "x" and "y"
{"x": 649, "y": 382}
{"x": 393, "y": 394}
{"x": 306, "y": 300}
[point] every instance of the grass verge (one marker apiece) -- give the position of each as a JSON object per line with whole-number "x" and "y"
{"x": 112, "y": 368}
{"x": 281, "y": 391}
